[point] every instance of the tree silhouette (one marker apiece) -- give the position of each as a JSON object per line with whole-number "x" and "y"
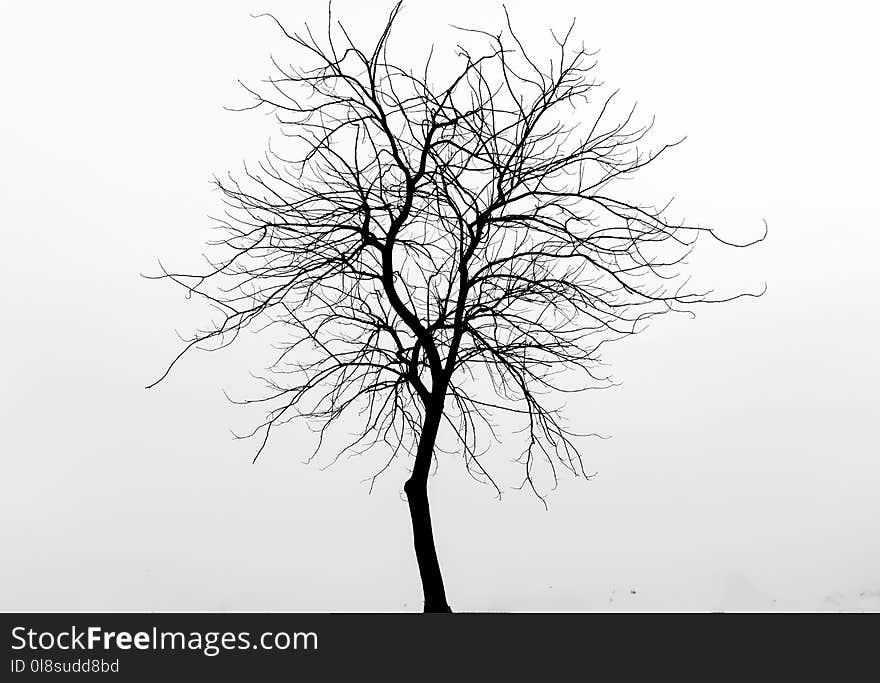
{"x": 433, "y": 255}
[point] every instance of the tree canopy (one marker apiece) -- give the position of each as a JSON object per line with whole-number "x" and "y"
{"x": 461, "y": 245}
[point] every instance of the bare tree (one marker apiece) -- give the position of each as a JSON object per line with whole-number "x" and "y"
{"x": 434, "y": 254}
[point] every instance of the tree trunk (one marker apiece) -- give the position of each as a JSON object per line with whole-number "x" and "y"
{"x": 416, "y": 489}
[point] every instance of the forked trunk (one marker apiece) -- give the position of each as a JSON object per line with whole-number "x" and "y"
{"x": 416, "y": 489}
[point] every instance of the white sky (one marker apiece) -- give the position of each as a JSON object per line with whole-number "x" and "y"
{"x": 743, "y": 471}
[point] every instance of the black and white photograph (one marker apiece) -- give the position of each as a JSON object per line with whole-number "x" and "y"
{"x": 324, "y": 311}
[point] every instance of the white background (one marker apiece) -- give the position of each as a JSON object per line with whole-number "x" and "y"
{"x": 743, "y": 469}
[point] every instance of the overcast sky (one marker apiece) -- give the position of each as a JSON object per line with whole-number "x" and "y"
{"x": 743, "y": 469}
